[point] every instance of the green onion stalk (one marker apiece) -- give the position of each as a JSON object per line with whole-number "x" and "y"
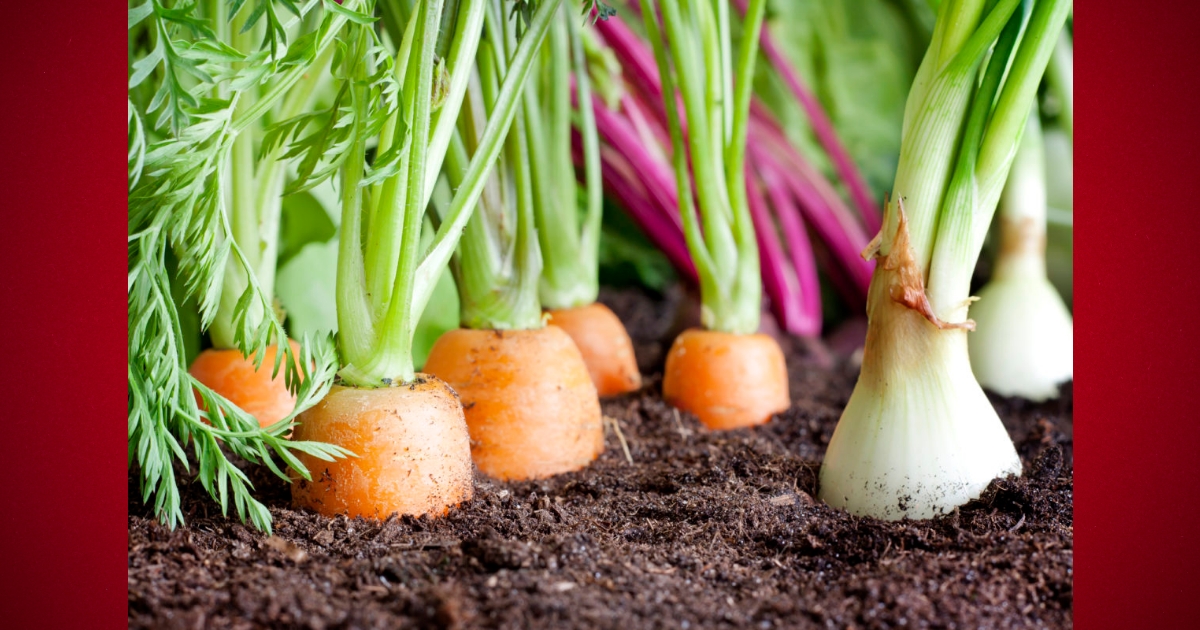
{"x": 1023, "y": 344}
{"x": 1060, "y": 79}
{"x": 918, "y": 436}
{"x": 1057, "y": 137}
{"x": 1060, "y": 214}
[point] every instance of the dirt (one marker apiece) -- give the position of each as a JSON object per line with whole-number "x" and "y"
{"x": 700, "y": 530}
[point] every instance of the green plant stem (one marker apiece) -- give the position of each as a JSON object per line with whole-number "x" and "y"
{"x": 691, "y": 226}
{"x": 356, "y": 324}
{"x": 702, "y": 142}
{"x": 570, "y": 275}
{"x": 386, "y": 244}
{"x": 990, "y": 143}
{"x": 377, "y": 346}
{"x": 934, "y": 114}
{"x": 255, "y": 186}
{"x": 499, "y": 264}
{"x": 716, "y": 104}
{"x": 255, "y": 242}
{"x": 589, "y": 239}
{"x": 473, "y": 181}
{"x": 394, "y": 233}
{"x": 1060, "y": 77}
{"x": 748, "y": 283}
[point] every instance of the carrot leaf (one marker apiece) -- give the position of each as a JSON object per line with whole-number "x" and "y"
{"x": 177, "y": 211}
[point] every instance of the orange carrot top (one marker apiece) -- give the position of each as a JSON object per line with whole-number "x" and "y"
{"x": 729, "y": 381}
{"x": 605, "y": 345}
{"x": 728, "y": 376}
{"x": 406, "y": 430}
{"x": 530, "y": 404}
{"x": 253, "y": 389}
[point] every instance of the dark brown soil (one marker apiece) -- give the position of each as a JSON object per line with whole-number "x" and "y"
{"x": 700, "y": 530}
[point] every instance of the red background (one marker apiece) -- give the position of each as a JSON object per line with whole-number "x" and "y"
{"x": 63, "y": 535}
{"x": 1137, "y": 426}
{"x": 63, "y": 529}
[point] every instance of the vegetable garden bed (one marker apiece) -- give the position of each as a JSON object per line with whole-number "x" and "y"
{"x": 702, "y": 529}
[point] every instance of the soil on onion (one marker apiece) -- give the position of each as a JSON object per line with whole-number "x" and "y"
{"x": 700, "y": 530}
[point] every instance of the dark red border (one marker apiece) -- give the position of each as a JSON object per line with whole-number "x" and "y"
{"x": 63, "y": 326}
{"x": 1137, "y": 416}
{"x": 63, "y": 531}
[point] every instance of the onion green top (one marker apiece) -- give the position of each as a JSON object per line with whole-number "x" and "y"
{"x": 963, "y": 124}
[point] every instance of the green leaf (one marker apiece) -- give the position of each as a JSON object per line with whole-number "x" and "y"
{"x": 322, "y": 451}
{"x": 304, "y": 220}
{"x": 144, "y": 66}
{"x": 305, "y": 286}
{"x": 183, "y": 15}
{"x": 353, "y": 16}
{"x": 140, "y": 12}
{"x": 211, "y": 50}
{"x": 290, "y": 460}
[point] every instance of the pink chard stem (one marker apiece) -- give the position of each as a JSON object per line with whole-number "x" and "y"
{"x": 800, "y": 250}
{"x": 638, "y": 174}
{"x": 791, "y": 293}
{"x": 823, "y": 128}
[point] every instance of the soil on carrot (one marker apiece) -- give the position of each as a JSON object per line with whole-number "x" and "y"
{"x": 700, "y": 530}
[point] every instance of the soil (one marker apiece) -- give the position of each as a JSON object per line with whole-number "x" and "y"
{"x": 700, "y": 530}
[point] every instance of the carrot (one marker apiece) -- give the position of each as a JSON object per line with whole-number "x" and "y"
{"x": 530, "y": 404}
{"x": 413, "y": 453}
{"x": 728, "y": 380}
{"x": 605, "y": 345}
{"x": 233, "y": 376}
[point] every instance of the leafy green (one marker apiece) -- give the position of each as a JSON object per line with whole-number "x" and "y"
{"x": 304, "y": 220}
{"x": 628, "y": 257}
{"x": 137, "y": 145}
{"x": 177, "y": 207}
{"x": 859, "y": 57}
{"x": 306, "y": 288}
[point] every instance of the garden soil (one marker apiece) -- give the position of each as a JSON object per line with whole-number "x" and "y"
{"x": 673, "y": 527}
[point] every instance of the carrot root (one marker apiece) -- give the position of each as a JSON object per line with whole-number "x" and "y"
{"x": 412, "y": 451}
{"x": 728, "y": 381}
{"x": 530, "y": 404}
{"x": 605, "y": 345}
{"x": 233, "y": 376}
